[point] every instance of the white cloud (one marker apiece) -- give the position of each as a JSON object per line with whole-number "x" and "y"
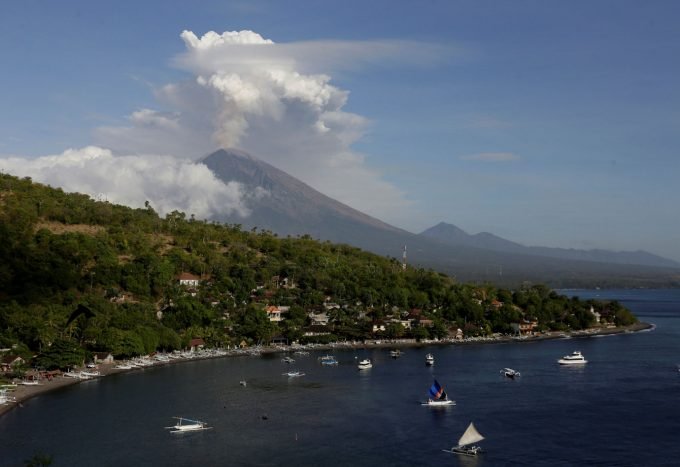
{"x": 491, "y": 157}
{"x": 166, "y": 182}
{"x": 275, "y": 101}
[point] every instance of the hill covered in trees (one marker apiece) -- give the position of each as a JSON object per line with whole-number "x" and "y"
{"x": 79, "y": 275}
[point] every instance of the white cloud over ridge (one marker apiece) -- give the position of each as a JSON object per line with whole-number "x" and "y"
{"x": 166, "y": 182}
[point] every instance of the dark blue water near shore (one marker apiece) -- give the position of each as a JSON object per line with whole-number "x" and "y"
{"x": 621, "y": 409}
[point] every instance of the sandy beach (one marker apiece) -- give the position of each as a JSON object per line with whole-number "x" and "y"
{"x": 23, "y": 393}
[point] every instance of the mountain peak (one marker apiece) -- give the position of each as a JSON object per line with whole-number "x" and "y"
{"x": 291, "y": 207}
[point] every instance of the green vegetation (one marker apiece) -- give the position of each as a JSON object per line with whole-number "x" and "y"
{"x": 64, "y": 252}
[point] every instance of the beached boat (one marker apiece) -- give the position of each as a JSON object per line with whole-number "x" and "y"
{"x": 122, "y": 366}
{"x": 429, "y": 359}
{"x": 438, "y": 397}
{"x": 30, "y": 382}
{"x": 365, "y": 364}
{"x": 510, "y": 373}
{"x": 186, "y": 425}
{"x": 576, "y": 358}
{"x": 465, "y": 443}
{"x": 6, "y": 399}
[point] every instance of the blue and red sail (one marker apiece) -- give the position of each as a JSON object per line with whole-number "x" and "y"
{"x": 437, "y": 392}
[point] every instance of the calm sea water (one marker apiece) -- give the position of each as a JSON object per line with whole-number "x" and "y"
{"x": 621, "y": 409}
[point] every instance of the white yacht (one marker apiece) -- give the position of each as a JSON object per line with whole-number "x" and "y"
{"x": 429, "y": 359}
{"x": 365, "y": 364}
{"x": 576, "y": 358}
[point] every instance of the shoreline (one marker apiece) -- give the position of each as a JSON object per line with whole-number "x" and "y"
{"x": 24, "y": 393}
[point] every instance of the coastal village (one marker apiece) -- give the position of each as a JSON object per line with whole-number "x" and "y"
{"x": 94, "y": 287}
{"x": 396, "y": 329}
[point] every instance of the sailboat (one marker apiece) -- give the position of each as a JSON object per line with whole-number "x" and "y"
{"x": 438, "y": 396}
{"x": 470, "y": 436}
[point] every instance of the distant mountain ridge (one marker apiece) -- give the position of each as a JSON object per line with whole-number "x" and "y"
{"x": 453, "y": 235}
{"x": 287, "y": 206}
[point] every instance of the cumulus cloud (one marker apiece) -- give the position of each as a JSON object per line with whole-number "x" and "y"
{"x": 166, "y": 182}
{"x": 491, "y": 157}
{"x": 277, "y": 102}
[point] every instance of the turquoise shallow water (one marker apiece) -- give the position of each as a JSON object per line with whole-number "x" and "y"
{"x": 622, "y": 408}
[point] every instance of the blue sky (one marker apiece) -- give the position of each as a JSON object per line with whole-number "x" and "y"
{"x": 547, "y": 123}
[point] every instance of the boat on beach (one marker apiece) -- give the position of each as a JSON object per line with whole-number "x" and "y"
{"x": 576, "y": 358}
{"x": 186, "y": 425}
{"x": 465, "y": 442}
{"x": 438, "y": 397}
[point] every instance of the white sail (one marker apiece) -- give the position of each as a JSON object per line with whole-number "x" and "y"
{"x": 470, "y": 436}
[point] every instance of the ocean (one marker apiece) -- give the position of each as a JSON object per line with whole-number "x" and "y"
{"x": 621, "y": 409}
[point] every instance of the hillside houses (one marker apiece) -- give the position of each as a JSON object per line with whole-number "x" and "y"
{"x": 275, "y": 313}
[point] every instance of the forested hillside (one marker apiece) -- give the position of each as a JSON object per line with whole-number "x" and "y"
{"x": 79, "y": 276}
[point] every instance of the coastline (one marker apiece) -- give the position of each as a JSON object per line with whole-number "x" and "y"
{"x": 23, "y": 393}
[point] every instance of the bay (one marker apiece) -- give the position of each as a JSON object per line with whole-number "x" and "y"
{"x": 620, "y": 409}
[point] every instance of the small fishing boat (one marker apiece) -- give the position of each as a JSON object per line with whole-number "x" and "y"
{"x": 470, "y": 436}
{"x": 429, "y": 359}
{"x": 510, "y": 373}
{"x": 365, "y": 364}
{"x": 328, "y": 360}
{"x": 438, "y": 397}
{"x": 186, "y": 425}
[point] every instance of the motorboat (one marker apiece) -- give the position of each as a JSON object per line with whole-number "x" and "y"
{"x": 294, "y": 374}
{"x": 288, "y": 360}
{"x": 576, "y": 358}
{"x": 465, "y": 442}
{"x": 396, "y": 353}
{"x": 438, "y": 397}
{"x": 510, "y": 373}
{"x": 365, "y": 364}
{"x": 186, "y": 425}
{"x": 429, "y": 359}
